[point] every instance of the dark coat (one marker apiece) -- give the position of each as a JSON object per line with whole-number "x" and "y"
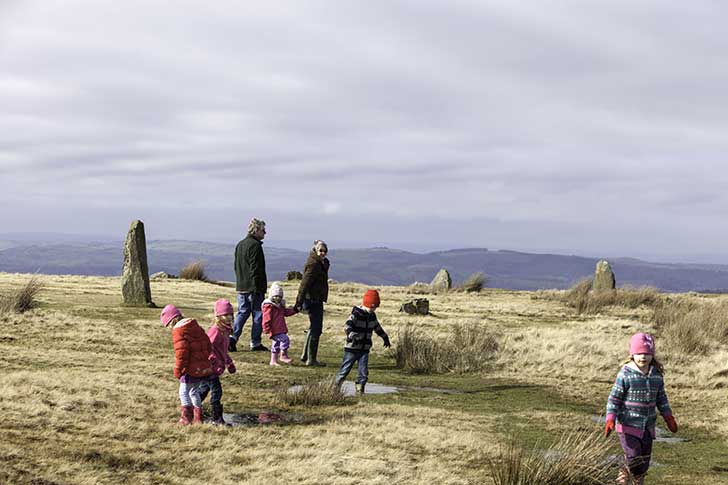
{"x": 315, "y": 283}
{"x": 250, "y": 266}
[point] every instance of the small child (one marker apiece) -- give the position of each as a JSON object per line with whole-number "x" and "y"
{"x": 192, "y": 366}
{"x": 274, "y": 324}
{"x": 638, "y": 390}
{"x": 219, "y": 334}
{"x": 359, "y": 327}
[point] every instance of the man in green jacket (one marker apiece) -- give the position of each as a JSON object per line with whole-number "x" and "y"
{"x": 250, "y": 284}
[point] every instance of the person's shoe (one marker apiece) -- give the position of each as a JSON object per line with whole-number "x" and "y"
{"x": 315, "y": 363}
{"x": 284, "y": 357}
{"x": 313, "y": 352}
{"x": 185, "y": 415}
{"x": 196, "y": 415}
{"x": 274, "y": 359}
{"x": 259, "y": 348}
{"x": 217, "y": 415}
{"x": 360, "y": 388}
{"x": 232, "y": 345}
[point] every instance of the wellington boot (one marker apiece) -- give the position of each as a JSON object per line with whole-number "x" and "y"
{"x": 217, "y": 415}
{"x": 284, "y": 357}
{"x": 360, "y": 388}
{"x": 313, "y": 352}
{"x": 274, "y": 359}
{"x": 185, "y": 415}
{"x": 304, "y": 355}
{"x": 196, "y": 415}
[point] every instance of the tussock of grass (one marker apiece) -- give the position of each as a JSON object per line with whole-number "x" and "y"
{"x": 468, "y": 348}
{"x": 22, "y": 299}
{"x": 690, "y": 327}
{"x": 473, "y": 283}
{"x": 194, "y": 271}
{"x": 419, "y": 289}
{"x": 584, "y": 300}
{"x": 320, "y": 393}
{"x": 577, "y": 458}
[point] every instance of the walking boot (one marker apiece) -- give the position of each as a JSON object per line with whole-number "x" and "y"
{"x": 196, "y": 415}
{"x": 274, "y": 359}
{"x": 304, "y": 355}
{"x": 313, "y": 352}
{"x": 185, "y": 415}
{"x": 284, "y": 357}
{"x": 360, "y": 388}
{"x": 217, "y": 418}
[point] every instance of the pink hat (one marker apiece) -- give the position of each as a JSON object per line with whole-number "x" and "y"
{"x": 169, "y": 313}
{"x": 223, "y": 307}
{"x": 641, "y": 343}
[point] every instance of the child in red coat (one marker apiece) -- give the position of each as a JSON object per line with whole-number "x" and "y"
{"x": 192, "y": 365}
{"x": 219, "y": 334}
{"x": 274, "y": 324}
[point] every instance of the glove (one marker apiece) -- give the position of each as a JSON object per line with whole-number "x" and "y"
{"x": 232, "y": 369}
{"x": 609, "y": 427}
{"x": 671, "y": 423}
{"x": 386, "y": 342}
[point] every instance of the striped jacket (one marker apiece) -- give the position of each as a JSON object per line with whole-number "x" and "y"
{"x": 359, "y": 328}
{"x": 634, "y": 399}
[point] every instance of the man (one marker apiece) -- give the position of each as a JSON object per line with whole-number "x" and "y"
{"x": 250, "y": 284}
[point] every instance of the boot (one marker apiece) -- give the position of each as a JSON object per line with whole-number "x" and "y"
{"x": 274, "y": 359}
{"x": 313, "y": 352}
{"x": 360, "y": 388}
{"x": 284, "y": 357}
{"x": 217, "y": 415}
{"x": 185, "y": 415}
{"x": 196, "y": 415}
{"x": 304, "y": 355}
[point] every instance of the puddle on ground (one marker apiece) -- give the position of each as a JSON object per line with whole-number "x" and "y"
{"x": 264, "y": 417}
{"x": 662, "y": 435}
{"x": 349, "y": 389}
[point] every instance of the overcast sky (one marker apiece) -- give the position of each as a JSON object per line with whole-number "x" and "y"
{"x": 592, "y": 127}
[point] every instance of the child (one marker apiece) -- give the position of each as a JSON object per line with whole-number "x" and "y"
{"x": 191, "y": 366}
{"x": 219, "y": 334}
{"x": 359, "y": 327}
{"x": 274, "y": 324}
{"x": 638, "y": 390}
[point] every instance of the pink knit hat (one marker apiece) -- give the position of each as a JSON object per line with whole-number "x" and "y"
{"x": 169, "y": 313}
{"x": 641, "y": 343}
{"x": 223, "y": 307}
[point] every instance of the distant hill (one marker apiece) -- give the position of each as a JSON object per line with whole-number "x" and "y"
{"x": 374, "y": 266}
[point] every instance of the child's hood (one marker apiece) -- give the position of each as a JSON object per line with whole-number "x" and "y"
{"x": 268, "y": 301}
{"x": 359, "y": 312}
{"x": 185, "y": 321}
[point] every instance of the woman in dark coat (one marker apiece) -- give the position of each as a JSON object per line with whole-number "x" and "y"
{"x": 312, "y": 294}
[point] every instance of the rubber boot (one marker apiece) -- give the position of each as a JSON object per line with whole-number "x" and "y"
{"x": 274, "y": 359}
{"x": 196, "y": 415}
{"x": 304, "y": 355}
{"x": 185, "y": 415}
{"x": 284, "y": 357}
{"x": 360, "y": 388}
{"x": 217, "y": 415}
{"x": 313, "y": 352}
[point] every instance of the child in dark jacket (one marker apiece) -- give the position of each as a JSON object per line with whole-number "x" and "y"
{"x": 219, "y": 335}
{"x": 191, "y": 366}
{"x": 274, "y": 324}
{"x": 359, "y": 327}
{"x": 638, "y": 392}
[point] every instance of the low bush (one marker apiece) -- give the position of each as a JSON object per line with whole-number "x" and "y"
{"x": 691, "y": 327}
{"x": 320, "y": 393}
{"x": 473, "y": 283}
{"x": 584, "y": 300}
{"x": 467, "y": 348}
{"x": 577, "y": 458}
{"x": 194, "y": 271}
{"x": 21, "y": 299}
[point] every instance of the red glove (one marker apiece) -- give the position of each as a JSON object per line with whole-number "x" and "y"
{"x": 609, "y": 427}
{"x": 671, "y": 423}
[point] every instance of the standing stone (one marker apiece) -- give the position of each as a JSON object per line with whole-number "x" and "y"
{"x": 603, "y": 277}
{"x": 135, "y": 272}
{"x": 441, "y": 282}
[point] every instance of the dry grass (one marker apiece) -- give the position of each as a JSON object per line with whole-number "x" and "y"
{"x": 584, "y": 300}
{"x": 473, "y": 283}
{"x": 689, "y": 327}
{"x": 468, "y": 348}
{"x": 21, "y": 299}
{"x": 577, "y": 458}
{"x": 320, "y": 393}
{"x": 194, "y": 271}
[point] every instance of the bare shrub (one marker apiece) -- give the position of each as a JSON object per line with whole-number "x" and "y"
{"x": 21, "y": 299}
{"x": 194, "y": 271}
{"x": 473, "y": 283}
{"x": 689, "y": 327}
{"x": 577, "y": 296}
{"x": 577, "y": 458}
{"x": 584, "y": 300}
{"x": 467, "y": 349}
{"x": 319, "y": 393}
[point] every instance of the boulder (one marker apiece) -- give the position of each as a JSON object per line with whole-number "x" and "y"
{"x": 294, "y": 275}
{"x": 441, "y": 282}
{"x": 418, "y": 306}
{"x": 135, "y": 270}
{"x": 603, "y": 277}
{"x": 162, "y": 276}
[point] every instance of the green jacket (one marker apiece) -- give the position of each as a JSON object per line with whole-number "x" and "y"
{"x": 250, "y": 266}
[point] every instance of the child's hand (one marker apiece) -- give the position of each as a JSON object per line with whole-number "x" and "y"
{"x": 671, "y": 423}
{"x": 609, "y": 427}
{"x": 386, "y": 342}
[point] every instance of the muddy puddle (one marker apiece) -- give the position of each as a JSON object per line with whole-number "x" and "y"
{"x": 263, "y": 417}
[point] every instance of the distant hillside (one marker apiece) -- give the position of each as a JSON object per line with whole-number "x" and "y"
{"x": 374, "y": 266}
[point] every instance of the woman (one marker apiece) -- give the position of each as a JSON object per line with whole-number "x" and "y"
{"x": 312, "y": 294}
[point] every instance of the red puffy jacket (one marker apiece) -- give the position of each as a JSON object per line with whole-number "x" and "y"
{"x": 191, "y": 349}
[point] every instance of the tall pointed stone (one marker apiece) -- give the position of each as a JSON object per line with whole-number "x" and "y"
{"x": 603, "y": 277}
{"x": 135, "y": 272}
{"x": 441, "y": 282}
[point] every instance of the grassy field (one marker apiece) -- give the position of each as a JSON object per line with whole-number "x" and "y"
{"x": 89, "y": 397}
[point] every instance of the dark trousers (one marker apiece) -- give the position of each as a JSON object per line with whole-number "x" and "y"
{"x": 249, "y": 303}
{"x": 214, "y": 387}
{"x": 350, "y": 358}
{"x": 315, "y": 317}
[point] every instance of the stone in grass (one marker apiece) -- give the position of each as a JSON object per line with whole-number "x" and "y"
{"x": 161, "y": 275}
{"x": 441, "y": 282}
{"x": 603, "y": 277}
{"x": 418, "y": 306}
{"x": 135, "y": 270}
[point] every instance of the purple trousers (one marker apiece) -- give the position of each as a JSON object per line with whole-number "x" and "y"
{"x": 279, "y": 343}
{"x": 637, "y": 452}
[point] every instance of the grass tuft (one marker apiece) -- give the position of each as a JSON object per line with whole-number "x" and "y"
{"x": 319, "y": 393}
{"x": 690, "y": 327}
{"x": 584, "y": 300}
{"x": 194, "y": 271}
{"x": 473, "y": 283}
{"x": 22, "y": 299}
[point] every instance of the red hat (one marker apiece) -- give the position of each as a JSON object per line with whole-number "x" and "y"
{"x": 370, "y": 299}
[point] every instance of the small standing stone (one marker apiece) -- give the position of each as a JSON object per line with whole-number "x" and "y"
{"x": 603, "y": 277}
{"x": 441, "y": 282}
{"x": 135, "y": 271}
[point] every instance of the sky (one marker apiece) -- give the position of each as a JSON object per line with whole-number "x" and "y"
{"x": 581, "y": 127}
